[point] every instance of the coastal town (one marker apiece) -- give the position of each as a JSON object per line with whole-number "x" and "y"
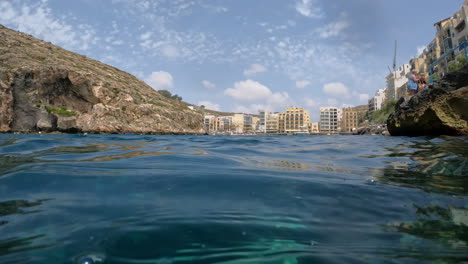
{"x": 447, "y": 52}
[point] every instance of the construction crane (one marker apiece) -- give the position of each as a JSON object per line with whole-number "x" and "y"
{"x": 394, "y": 61}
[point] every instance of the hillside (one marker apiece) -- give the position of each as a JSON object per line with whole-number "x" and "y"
{"x": 46, "y": 88}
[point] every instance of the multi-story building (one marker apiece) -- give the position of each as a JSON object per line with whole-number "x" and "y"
{"x": 444, "y": 34}
{"x": 211, "y": 123}
{"x": 294, "y": 120}
{"x": 262, "y": 121}
{"x": 450, "y": 33}
{"x": 397, "y": 79}
{"x": 459, "y": 21}
{"x": 271, "y": 123}
{"x": 242, "y": 123}
{"x": 225, "y": 124}
{"x": 352, "y": 116}
{"x": 376, "y": 102}
{"x": 314, "y": 128}
{"x": 328, "y": 120}
{"x": 256, "y": 124}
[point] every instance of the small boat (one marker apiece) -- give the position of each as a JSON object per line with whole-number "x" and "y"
{"x": 302, "y": 133}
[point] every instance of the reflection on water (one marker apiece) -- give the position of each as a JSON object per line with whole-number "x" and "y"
{"x": 207, "y": 199}
{"x": 17, "y": 207}
{"x": 432, "y": 165}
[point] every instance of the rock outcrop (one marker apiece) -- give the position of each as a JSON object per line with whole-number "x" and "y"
{"x": 372, "y": 130}
{"x": 440, "y": 109}
{"x": 46, "y": 88}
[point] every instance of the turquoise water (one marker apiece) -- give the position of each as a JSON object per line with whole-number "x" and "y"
{"x": 232, "y": 199}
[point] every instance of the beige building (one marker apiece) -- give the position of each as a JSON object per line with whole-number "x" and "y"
{"x": 242, "y": 123}
{"x": 459, "y": 21}
{"x": 271, "y": 123}
{"x": 314, "y": 128}
{"x": 225, "y": 124}
{"x": 293, "y": 120}
{"x": 444, "y": 31}
{"x": 211, "y": 123}
{"x": 352, "y": 116}
{"x": 255, "y": 124}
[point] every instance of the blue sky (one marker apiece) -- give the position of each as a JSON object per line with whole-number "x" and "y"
{"x": 241, "y": 55}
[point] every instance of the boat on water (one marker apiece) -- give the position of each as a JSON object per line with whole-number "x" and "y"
{"x": 302, "y": 134}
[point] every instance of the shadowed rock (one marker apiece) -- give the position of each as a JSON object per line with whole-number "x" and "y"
{"x": 441, "y": 109}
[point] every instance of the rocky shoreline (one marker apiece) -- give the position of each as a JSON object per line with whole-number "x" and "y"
{"x": 440, "y": 109}
{"x": 44, "y": 88}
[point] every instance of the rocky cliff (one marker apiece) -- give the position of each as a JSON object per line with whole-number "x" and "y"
{"x": 441, "y": 109}
{"x": 46, "y": 88}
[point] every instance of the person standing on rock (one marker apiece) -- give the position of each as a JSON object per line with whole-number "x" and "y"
{"x": 421, "y": 83}
{"x": 413, "y": 83}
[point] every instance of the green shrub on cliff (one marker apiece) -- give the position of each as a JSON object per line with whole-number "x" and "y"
{"x": 457, "y": 64}
{"x": 380, "y": 116}
{"x": 60, "y": 111}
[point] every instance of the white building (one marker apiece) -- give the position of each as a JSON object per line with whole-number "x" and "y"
{"x": 397, "y": 79}
{"x": 328, "y": 120}
{"x": 376, "y": 102}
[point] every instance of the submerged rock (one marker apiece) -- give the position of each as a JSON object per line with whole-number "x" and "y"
{"x": 441, "y": 109}
{"x": 46, "y": 88}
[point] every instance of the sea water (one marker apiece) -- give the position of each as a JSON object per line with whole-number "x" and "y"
{"x": 232, "y": 199}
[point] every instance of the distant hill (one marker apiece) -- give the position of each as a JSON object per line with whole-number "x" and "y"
{"x": 46, "y": 88}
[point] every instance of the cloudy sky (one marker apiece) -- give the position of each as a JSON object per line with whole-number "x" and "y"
{"x": 241, "y": 55}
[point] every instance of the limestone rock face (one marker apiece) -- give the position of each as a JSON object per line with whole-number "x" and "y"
{"x": 46, "y": 88}
{"x": 441, "y": 109}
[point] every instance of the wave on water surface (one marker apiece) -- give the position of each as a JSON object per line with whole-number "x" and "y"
{"x": 228, "y": 199}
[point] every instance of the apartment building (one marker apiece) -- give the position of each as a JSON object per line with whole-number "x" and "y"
{"x": 262, "y": 121}
{"x": 314, "y": 128}
{"x": 256, "y": 124}
{"x": 376, "y": 102}
{"x": 225, "y": 124}
{"x": 328, "y": 120}
{"x": 396, "y": 80}
{"x": 293, "y": 120}
{"x": 460, "y": 30}
{"x": 211, "y": 123}
{"x": 242, "y": 123}
{"x": 352, "y": 116}
{"x": 271, "y": 123}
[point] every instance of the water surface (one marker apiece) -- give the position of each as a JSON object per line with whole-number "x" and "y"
{"x": 233, "y": 199}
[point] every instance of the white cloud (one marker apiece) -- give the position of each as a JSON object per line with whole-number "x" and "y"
{"x": 334, "y": 28}
{"x": 251, "y": 109}
{"x": 210, "y": 105}
{"x": 332, "y": 102}
{"x": 37, "y": 19}
{"x": 336, "y": 89}
{"x": 248, "y": 91}
{"x": 254, "y": 69}
{"x": 310, "y": 102}
{"x": 160, "y": 80}
{"x": 309, "y": 8}
{"x": 208, "y": 84}
{"x": 170, "y": 51}
{"x": 281, "y": 99}
{"x": 420, "y": 50}
{"x": 145, "y": 36}
{"x": 363, "y": 98}
{"x": 302, "y": 84}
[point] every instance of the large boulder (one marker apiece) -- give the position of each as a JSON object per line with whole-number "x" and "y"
{"x": 441, "y": 109}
